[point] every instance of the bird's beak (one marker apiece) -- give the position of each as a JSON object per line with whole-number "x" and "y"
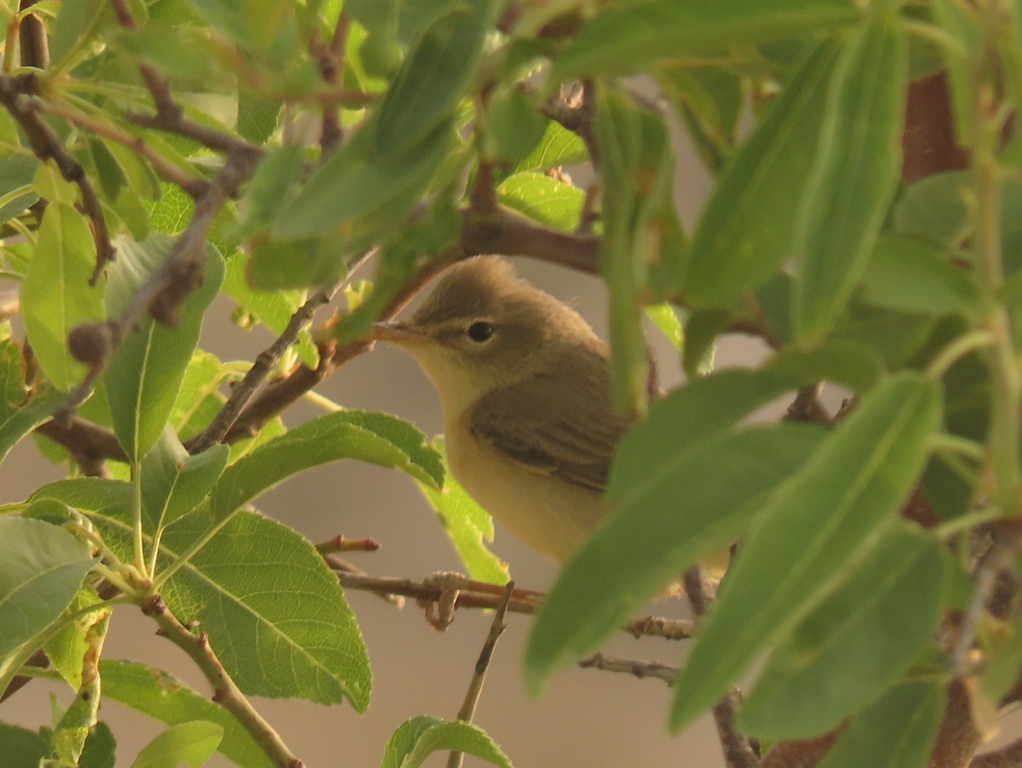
{"x": 398, "y": 333}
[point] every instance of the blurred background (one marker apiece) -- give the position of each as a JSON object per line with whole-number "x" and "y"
{"x": 585, "y": 718}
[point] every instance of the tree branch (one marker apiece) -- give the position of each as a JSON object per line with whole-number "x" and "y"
{"x": 225, "y": 692}
{"x": 1005, "y": 757}
{"x": 639, "y": 669}
{"x": 264, "y": 363}
{"x": 475, "y": 685}
{"x": 14, "y": 92}
{"x": 161, "y": 297}
{"x": 480, "y": 594}
{"x": 739, "y": 751}
{"x": 191, "y": 184}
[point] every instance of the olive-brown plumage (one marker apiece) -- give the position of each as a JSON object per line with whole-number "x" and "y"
{"x": 524, "y": 383}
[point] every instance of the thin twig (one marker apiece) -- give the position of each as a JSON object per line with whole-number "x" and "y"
{"x": 998, "y": 559}
{"x": 739, "y": 751}
{"x": 180, "y": 273}
{"x": 265, "y": 362}
{"x": 14, "y": 92}
{"x": 191, "y": 184}
{"x": 479, "y": 594}
{"x": 807, "y": 406}
{"x": 166, "y": 107}
{"x": 475, "y": 685}
{"x": 225, "y": 692}
{"x": 340, "y": 544}
{"x": 330, "y": 60}
{"x": 576, "y": 112}
{"x": 634, "y": 667}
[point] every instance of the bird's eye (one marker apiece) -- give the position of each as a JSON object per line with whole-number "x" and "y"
{"x": 480, "y": 331}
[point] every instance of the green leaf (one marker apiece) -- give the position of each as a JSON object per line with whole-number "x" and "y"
{"x": 76, "y": 723}
{"x": 702, "y": 408}
{"x": 173, "y": 482}
{"x": 693, "y": 501}
{"x": 257, "y": 117}
{"x": 354, "y": 185}
{"x": 514, "y": 124}
{"x": 252, "y": 587}
{"x": 192, "y": 743}
{"x": 910, "y": 275}
{"x": 854, "y": 645}
{"x": 421, "y": 736}
{"x": 933, "y": 209}
{"x": 669, "y": 319}
{"x": 748, "y": 227}
{"x": 633, "y": 146}
{"x": 896, "y": 732}
{"x": 551, "y": 202}
{"x": 199, "y": 400}
{"x": 41, "y": 569}
{"x": 468, "y": 526}
{"x": 165, "y": 698}
{"x": 434, "y": 77}
{"x": 144, "y": 376}
{"x": 816, "y": 527}
{"x": 56, "y": 295}
{"x": 100, "y": 748}
{"x": 21, "y": 747}
{"x": 271, "y": 186}
{"x": 75, "y": 20}
{"x": 849, "y": 363}
{"x": 701, "y": 332}
{"x": 17, "y": 417}
{"x": 855, "y": 174}
{"x": 271, "y": 308}
{"x": 172, "y": 212}
{"x": 557, "y": 148}
{"x": 373, "y": 437}
{"x": 630, "y": 38}
{"x": 66, "y": 649}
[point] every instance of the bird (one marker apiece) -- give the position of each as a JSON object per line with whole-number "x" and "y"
{"x": 525, "y": 389}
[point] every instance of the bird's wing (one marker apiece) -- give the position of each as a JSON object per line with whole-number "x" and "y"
{"x": 572, "y": 436}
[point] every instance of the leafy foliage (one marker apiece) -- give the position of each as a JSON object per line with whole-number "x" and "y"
{"x": 157, "y": 157}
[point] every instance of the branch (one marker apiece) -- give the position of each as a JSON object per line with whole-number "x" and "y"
{"x": 161, "y": 297}
{"x": 739, "y": 751}
{"x": 480, "y": 594}
{"x": 503, "y": 231}
{"x": 225, "y": 692}
{"x": 264, "y": 363}
{"x": 330, "y": 60}
{"x": 191, "y": 184}
{"x": 48, "y": 146}
{"x": 475, "y": 685}
{"x": 639, "y": 669}
{"x": 155, "y": 82}
{"x": 1006, "y": 757}
{"x": 83, "y": 439}
{"x": 577, "y": 113}
{"x": 340, "y": 544}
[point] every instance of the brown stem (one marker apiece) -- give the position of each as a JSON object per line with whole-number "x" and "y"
{"x": 264, "y": 363}
{"x": 34, "y": 44}
{"x": 83, "y": 438}
{"x": 340, "y": 544}
{"x": 634, "y": 667}
{"x": 48, "y": 146}
{"x": 1005, "y": 757}
{"x": 225, "y": 692}
{"x": 739, "y": 751}
{"x": 180, "y": 273}
{"x": 330, "y": 60}
{"x": 475, "y": 685}
{"x": 158, "y": 87}
{"x": 194, "y": 186}
{"x": 478, "y": 594}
